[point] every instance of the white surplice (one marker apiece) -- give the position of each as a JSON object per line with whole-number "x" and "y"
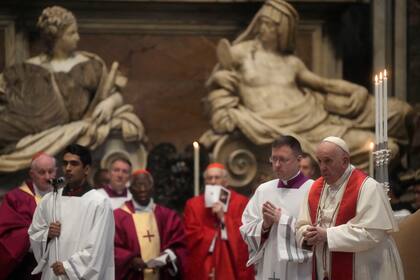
{"x": 86, "y": 242}
{"x": 116, "y": 202}
{"x": 366, "y": 235}
{"x": 278, "y": 257}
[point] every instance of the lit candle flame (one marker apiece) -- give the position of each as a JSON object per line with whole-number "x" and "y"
{"x": 195, "y": 144}
{"x": 371, "y": 146}
{"x": 376, "y": 79}
{"x": 385, "y": 76}
{"x": 380, "y": 76}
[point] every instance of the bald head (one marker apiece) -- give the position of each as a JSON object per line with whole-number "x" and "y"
{"x": 43, "y": 168}
{"x": 333, "y": 161}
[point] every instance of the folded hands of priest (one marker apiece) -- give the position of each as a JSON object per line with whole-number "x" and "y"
{"x": 315, "y": 235}
{"x": 271, "y": 214}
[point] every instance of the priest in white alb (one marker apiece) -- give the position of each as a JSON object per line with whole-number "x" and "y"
{"x": 346, "y": 219}
{"x": 82, "y": 233}
{"x": 268, "y": 222}
{"x": 119, "y": 177}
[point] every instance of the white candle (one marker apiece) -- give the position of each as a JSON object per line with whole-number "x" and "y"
{"x": 196, "y": 168}
{"x": 381, "y": 106}
{"x": 385, "y": 107}
{"x": 371, "y": 163}
{"x": 376, "y": 110}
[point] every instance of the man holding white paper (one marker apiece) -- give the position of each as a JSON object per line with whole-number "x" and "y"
{"x": 212, "y": 221}
{"x": 270, "y": 216}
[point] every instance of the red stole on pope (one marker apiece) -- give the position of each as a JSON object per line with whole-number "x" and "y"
{"x": 341, "y": 262}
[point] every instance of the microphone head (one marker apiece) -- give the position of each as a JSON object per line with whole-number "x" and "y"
{"x": 57, "y": 181}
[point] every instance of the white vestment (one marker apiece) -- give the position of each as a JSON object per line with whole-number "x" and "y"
{"x": 278, "y": 257}
{"x": 116, "y": 202}
{"x": 86, "y": 241}
{"x": 366, "y": 235}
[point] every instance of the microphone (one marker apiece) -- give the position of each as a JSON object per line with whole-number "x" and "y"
{"x": 56, "y": 181}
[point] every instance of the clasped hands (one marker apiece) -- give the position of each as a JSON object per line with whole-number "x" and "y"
{"x": 314, "y": 235}
{"x": 137, "y": 263}
{"x": 271, "y": 215}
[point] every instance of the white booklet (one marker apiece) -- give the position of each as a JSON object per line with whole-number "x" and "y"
{"x": 215, "y": 193}
{"x": 158, "y": 261}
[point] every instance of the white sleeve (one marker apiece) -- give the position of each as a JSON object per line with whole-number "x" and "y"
{"x": 97, "y": 256}
{"x": 303, "y": 221}
{"x": 287, "y": 246}
{"x": 38, "y": 234}
{"x": 251, "y": 229}
{"x": 373, "y": 221}
{"x": 348, "y": 238}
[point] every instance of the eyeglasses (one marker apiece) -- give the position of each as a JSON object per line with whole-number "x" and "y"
{"x": 278, "y": 159}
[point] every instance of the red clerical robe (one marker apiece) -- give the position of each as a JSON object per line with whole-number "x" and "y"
{"x": 229, "y": 257}
{"x": 16, "y": 211}
{"x": 171, "y": 233}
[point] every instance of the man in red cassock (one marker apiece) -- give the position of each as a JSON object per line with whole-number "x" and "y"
{"x": 216, "y": 249}
{"x": 149, "y": 238}
{"x": 16, "y": 212}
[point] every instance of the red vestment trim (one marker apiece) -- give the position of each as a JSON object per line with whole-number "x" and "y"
{"x": 341, "y": 262}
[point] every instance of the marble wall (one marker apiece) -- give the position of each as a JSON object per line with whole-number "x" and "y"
{"x": 167, "y": 51}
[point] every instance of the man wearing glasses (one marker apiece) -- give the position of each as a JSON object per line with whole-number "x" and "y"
{"x": 268, "y": 222}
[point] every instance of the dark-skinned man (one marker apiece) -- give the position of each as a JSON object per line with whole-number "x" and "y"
{"x": 144, "y": 231}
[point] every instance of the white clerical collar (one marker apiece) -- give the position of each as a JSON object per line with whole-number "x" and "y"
{"x": 343, "y": 177}
{"x": 148, "y": 208}
{"x": 38, "y": 192}
{"x": 291, "y": 178}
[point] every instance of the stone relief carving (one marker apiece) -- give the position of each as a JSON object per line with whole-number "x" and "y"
{"x": 63, "y": 96}
{"x": 263, "y": 90}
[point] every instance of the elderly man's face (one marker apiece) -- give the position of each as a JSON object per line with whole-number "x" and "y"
{"x": 215, "y": 176}
{"x": 142, "y": 189}
{"x": 42, "y": 172}
{"x": 332, "y": 161}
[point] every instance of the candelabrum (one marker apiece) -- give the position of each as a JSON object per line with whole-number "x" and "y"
{"x": 382, "y": 154}
{"x": 382, "y": 157}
